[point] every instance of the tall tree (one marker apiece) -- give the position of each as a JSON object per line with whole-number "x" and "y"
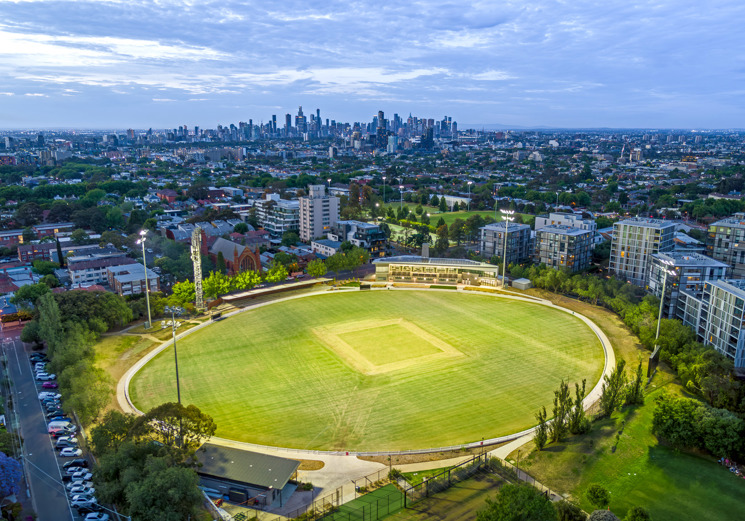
{"x": 613, "y": 389}
{"x": 578, "y": 422}
{"x": 562, "y": 406}
{"x": 518, "y": 503}
{"x": 50, "y": 324}
{"x": 541, "y": 431}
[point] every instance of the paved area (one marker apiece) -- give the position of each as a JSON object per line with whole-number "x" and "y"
{"x": 49, "y": 497}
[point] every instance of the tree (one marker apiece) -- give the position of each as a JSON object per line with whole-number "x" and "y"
{"x": 215, "y": 284}
{"x": 28, "y": 235}
{"x": 28, "y": 214}
{"x": 541, "y": 431}
{"x": 26, "y": 296}
{"x": 562, "y": 405}
{"x": 457, "y": 231}
{"x": 50, "y": 280}
{"x": 569, "y": 511}
{"x": 442, "y": 242}
{"x": 578, "y": 422}
{"x": 443, "y": 205}
{"x": 30, "y": 333}
{"x": 598, "y": 496}
{"x": 11, "y": 474}
{"x": 613, "y": 389}
{"x": 290, "y": 238}
{"x": 637, "y": 514}
{"x": 221, "y": 265}
{"x": 183, "y": 292}
{"x": 440, "y": 222}
{"x": 518, "y": 503}
{"x": 240, "y": 228}
{"x": 435, "y": 201}
{"x": 79, "y": 236}
{"x": 164, "y": 492}
{"x": 43, "y": 267}
{"x": 50, "y": 324}
{"x": 176, "y": 425}
{"x": 316, "y": 268}
{"x": 277, "y": 273}
{"x": 246, "y": 280}
{"x": 111, "y": 432}
{"x": 635, "y": 392}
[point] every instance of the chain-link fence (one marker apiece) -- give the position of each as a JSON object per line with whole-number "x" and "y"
{"x": 444, "y": 479}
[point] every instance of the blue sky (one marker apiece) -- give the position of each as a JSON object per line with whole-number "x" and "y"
{"x": 569, "y": 63}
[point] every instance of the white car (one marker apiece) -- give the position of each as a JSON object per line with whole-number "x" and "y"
{"x": 49, "y": 394}
{"x": 96, "y": 516}
{"x": 78, "y": 483}
{"x": 45, "y": 377}
{"x": 82, "y": 476}
{"x": 82, "y": 500}
{"x": 70, "y": 452}
{"x": 73, "y": 470}
{"x": 74, "y": 491}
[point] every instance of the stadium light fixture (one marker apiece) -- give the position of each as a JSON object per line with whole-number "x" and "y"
{"x": 508, "y": 215}
{"x": 141, "y": 240}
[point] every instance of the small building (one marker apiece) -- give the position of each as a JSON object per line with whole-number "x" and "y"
{"x": 567, "y": 247}
{"x": 415, "y": 268}
{"x": 522, "y": 284}
{"x": 325, "y": 247}
{"x": 246, "y": 477}
{"x": 91, "y": 269}
{"x": 364, "y": 235}
{"x": 129, "y": 279}
{"x": 52, "y": 229}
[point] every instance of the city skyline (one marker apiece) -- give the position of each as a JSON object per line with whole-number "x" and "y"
{"x": 115, "y": 64}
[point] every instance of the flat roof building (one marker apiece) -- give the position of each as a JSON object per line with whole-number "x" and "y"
{"x": 725, "y": 241}
{"x": 415, "y": 268}
{"x": 564, "y": 247}
{"x": 634, "y": 241}
{"x": 318, "y": 213}
{"x": 492, "y": 241}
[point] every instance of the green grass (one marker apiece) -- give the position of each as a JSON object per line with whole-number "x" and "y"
{"x": 377, "y": 504}
{"x": 414, "y": 478}
{"x": 450, "y": 217}
{"x": 267, "y": 377}
{"x": 461, "y": 501}
{"x": 669, "y": 484}
{"x": 387, "y": 344}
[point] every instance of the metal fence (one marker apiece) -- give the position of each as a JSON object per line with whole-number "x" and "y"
{"x": 444, "y": 479}
{"x": 369, "y": 507}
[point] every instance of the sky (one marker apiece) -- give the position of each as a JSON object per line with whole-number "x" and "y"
{"x": 554, "y": 63}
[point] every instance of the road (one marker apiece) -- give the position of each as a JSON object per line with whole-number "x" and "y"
{"x": 42, "y": 463}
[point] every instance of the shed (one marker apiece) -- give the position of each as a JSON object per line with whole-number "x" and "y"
{"x": 244, "y": 476}
{"x": 522, "y": 284}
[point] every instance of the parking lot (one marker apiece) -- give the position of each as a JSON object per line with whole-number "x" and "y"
{"x": 45, "y": 455}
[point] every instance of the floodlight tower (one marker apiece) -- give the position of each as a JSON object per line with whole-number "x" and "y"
{"x": 508, "y": 216}
{"x": 196, "y": 259}
{"x": 141, "y": 240}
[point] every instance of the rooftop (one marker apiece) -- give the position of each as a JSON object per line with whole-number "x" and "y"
{"x": 564, "y": 230}
{"x": 245, "y": 466}
{"x": 418, "y": 259}
{"x": 648, "y": 222}
{"x": 689, "y": 259}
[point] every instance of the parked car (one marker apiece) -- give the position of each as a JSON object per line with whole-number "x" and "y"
{"x": 45, "y": 377}
{"x": 64, "y": 443}
{"x": 81, "y": 489}
{"x": 59, "y": 433}
{"x": 82, "y": 476}
{"x": 49, "y": 385}
{"x": 79, "y": 462}
{"x": 78, "y": 483}
{"x": 49, "y": 394}
{"x": 40, "y": 366}
{"x": 70, "y": 452}
{"x": 83, "y": 501}
{"x": 73, "y": 470}
{"x": 93, "y": 507}
{"x": 97, "y": 516}
{"x": 38, "y": 357}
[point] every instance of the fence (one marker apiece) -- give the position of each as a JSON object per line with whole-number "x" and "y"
{"x": 512, "y": 473}
{"x": 369, "y": 507}
{"x": 444, "y": 479}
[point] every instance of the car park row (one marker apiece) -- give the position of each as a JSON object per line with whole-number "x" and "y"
{"x": 76, "y": 477}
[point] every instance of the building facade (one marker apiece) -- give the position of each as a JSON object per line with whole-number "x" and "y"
{"x": 86, "y": 270}
{"x": 565, "y": 219}
{"x": 492, "y": 241}
{"x": 634, "y": 242}
{"x": 130, "y": 279}
{"x": 414, "y": 268}
{"x": 725, "y": 241}
{"x": 318, "y": 213}
{"x": 717, "y": 315}
{"x": 692, "y": 271}
{"x": 564, "y": 247}
{"x": 365, "y": 235}
{"x": 278, "y": 216}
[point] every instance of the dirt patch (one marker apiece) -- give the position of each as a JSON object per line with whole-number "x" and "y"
{"x": 403, "y": 459}
{"x": 310, "y": 464}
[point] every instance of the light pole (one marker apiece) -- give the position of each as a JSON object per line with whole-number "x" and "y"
{"x": 666, "y": 271}
{"x": 329, "y": 182}
{"x": 469, "y": 195}
{"x": 507, "y": 217}
{"x": 383, "y": 189}
{"x": 401, "y": 191}
{"x": 377, "y": 205}
{"x": 174, "y": 311}
{"x": 141, "y": 240}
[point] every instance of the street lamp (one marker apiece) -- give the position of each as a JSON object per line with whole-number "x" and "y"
{"x": 175, "y": 311}
{"x": 329, "y": 182}
{"x": 507, "y": 217}
{"x": 383, "y": 189}
{"x": 141, "y": 240}
{"x": 401, "y": 191}
{"x": 469, "y": 195}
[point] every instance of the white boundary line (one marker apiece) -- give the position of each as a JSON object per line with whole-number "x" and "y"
{"x": 122, "y": 389}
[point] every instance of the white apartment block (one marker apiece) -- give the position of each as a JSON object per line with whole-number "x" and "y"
{"x": 278, "y": 216}
{"x": 565, "y": 219}
{"x": 634, "y": 242}
{"x": 318, "y": 213}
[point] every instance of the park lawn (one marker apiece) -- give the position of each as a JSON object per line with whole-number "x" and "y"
{"x": 461, "y": 501}
{"x": 668, "y": 483}
{"x": 377, "y": 504}
{"x": 450, "y": 217}
{"x": 269, "y": 376}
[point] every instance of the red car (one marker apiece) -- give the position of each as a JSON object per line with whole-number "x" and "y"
{"x": 49, "y": 385}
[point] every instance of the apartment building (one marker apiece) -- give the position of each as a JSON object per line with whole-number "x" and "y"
{"x": 492, "y": 241}
{"x": 278, "y": 216}
{"x": 634, "y": 242}
{"x": 365, "y": 235}
{"x": 567, "y": 247}
{"x": 725, "y": 242}
{"x": 318, "y": 213}
{"x": 129, "y": 279}
{"x": 565, "y": 219}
